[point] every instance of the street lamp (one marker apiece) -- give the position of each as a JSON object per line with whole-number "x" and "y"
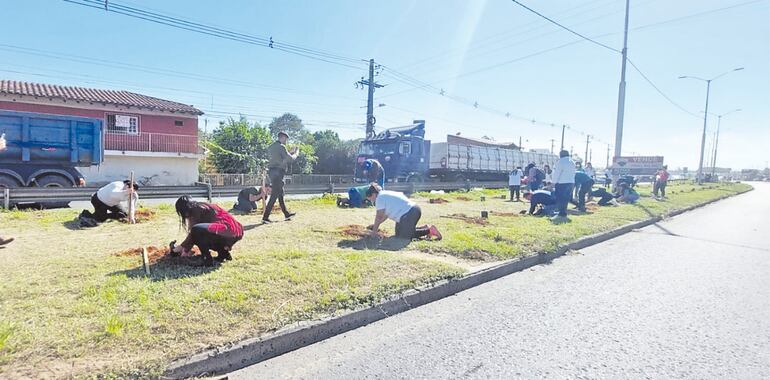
{"x": 699, "y": 177}
{"x": 716, "y": 140}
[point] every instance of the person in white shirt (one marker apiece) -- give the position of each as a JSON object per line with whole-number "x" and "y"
{"x": 106, "y": 201}
{"x": 564, "y": 181}
{"x": 589, "y": 169}
{"x": 514, "y": 183}
{"x": 397, "y": 207}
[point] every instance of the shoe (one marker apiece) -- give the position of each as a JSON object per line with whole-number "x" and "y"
{"x": 266, "y": 221}
{"x": 290, "y": 215}
{"x": 434, "y": 232}
{"x": 5, "y": 241}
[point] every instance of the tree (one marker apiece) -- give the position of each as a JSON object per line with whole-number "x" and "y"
{"x": 334, "y": 155}
{"x": 292, "y": 125}
{"x": 239, "y": 147}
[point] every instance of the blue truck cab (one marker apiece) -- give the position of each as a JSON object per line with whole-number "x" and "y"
{"x": 44, "y": 150}
{"x": 403, "y": 152}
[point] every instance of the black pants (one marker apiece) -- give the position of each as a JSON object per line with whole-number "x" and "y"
{"x": 583, "y": 192}
{"x": 208, "y": 241}
{"x": 102, "y": 212}
{"x": 604, "y": 196}
{"x": 515, "y": 189}
{"x": 563, "y": 195}
{"x": 660, "y": 186}
{"x": 406, "y": 228}
{"x": 276, "y": 181}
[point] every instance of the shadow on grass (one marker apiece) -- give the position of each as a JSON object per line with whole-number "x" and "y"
{"x": 388, "y": 244}
{"x": 170, "y": 268}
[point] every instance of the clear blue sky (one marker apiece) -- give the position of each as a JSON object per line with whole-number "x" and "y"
{"x": 442, "y": 42}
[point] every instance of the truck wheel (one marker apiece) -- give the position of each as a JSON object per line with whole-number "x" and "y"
{"x": 53, "y": 180}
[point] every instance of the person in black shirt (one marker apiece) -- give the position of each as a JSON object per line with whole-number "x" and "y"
{"x": 248, "y": 197}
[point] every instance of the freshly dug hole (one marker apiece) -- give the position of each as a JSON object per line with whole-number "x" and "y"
{"x": 154, "y": 254}
{"x": 358, "y": 230}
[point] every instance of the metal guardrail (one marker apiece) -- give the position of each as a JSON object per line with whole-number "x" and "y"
{"x": 19, "y": 195}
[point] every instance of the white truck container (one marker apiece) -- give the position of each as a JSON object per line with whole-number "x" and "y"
{"x": 462, "y": 158}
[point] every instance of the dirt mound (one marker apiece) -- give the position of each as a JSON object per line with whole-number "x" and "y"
{"x": 142, "y": 215}
{"x": 358, "y": 230}
{"x": 438, "y": 200}
{"x": 463, "y": 198}
{"x": 468, "y": 219}
{"x": 154, "y": 254}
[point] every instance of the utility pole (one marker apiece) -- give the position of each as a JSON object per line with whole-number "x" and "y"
{"x": 588, "y": 139}
{"x": 716, "y": 141}
{"x": 563, "y": 127}
{"x": 622, "y": 90}
{"x": 370, "y": 119}
{"x": 590, "y": 154}
{"x": 520, "y": 147}
{"x": 552, "y": 141}
{"x": 607, "y": 165}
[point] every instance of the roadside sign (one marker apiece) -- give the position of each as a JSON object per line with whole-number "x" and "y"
{"x": 636, "y": 165}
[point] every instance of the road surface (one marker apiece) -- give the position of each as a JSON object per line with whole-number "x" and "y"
{"x": 687, "y": 298}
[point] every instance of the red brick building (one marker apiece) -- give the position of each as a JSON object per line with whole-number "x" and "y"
{"x": 156, "y": 138}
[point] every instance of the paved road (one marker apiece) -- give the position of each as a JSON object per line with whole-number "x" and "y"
{"x": 688, "y": 298}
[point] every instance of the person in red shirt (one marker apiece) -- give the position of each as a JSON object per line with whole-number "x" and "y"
{"x": 661, "y": 180}
{"x": 209, "y": 227}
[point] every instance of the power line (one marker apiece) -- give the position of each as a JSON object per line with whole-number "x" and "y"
{"x": 566, "y": 28}
{"x": 648, "y": 80}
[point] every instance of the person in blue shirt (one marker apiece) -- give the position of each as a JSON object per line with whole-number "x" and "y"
{"x": 583, "y": 182}
{"x": 544, "y": 199}
{"x": 374, "y": 172}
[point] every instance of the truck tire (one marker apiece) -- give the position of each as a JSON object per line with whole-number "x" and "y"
{"x": 54, "y": 180}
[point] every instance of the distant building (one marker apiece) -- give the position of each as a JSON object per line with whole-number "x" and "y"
{"x": 156, "y": 138}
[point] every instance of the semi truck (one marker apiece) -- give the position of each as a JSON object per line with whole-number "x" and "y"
{"x": 407, "y": 157}
{"x": 45, "y": 150}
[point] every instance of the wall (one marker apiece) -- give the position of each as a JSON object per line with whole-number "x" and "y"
{"x": 149, "y": 121}
{"x": 163, "y": 170}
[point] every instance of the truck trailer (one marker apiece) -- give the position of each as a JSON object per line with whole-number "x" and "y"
{"x": 45, "y": 150}
{"x": 407, "y": 156}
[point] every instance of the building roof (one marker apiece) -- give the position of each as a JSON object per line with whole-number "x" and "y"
{"x": 116, "y": 97}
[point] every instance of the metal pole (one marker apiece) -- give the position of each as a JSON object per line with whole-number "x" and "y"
{"x": 563, "y": 127}
{"x": 716, "y": 144}
{"x": 370, "y": 102}
{"x": 552, "y": 141}
{"x": 699, "y": 178}
{"x": 607, "y": 165}
{"x": 622, "y": 90}
{"x": 587, "y": 140}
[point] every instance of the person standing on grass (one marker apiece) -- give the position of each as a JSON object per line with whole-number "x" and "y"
{"x": 107, "y": 201}
{"x": 535, "y": 177}
{"x": 564, "y": 180}
{"x": 548, "y": 175}
{"x": 397, "y": 207}
{"x": 514, "y": 183}
{"x": 583, "y": 183}
{"x": 209, "y": 227}
{"x": 279, "y": 159}
{"x": 374, "y": 172}
{"x": 589, "y": 169}
{"x": 661, "y": 180}
{"x": 543, "y": 201}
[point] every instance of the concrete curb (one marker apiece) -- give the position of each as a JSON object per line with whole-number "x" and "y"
{"x": 254, "y": 350}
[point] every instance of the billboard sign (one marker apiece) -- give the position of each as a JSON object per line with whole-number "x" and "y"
{"x": 636, "y": 165}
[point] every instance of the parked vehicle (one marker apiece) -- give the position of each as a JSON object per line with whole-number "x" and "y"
{"x": 407, "y": 156}
{"x": 45, "y": 150}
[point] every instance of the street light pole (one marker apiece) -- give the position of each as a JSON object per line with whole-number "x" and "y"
{"x": 622, "y": 90}
{"x": 699, "y": 177}
{"x": 716, "y": 141}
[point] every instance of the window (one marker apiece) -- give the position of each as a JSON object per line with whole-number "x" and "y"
{"x": 123, "y": 124}
{"x": 179, "y": 123}
{"x": 405, "y": 148}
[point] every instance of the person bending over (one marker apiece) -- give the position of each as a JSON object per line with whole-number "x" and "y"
{"x": 627, "y": 194}
{"x": 583, "y": 183}
{"x": 209, "y": 227}
{"x": 248, "y": 197}
{"x": 605, "y": 198}
{"x": 374, "y": 172}
{"x": 541, "y": 202}
{"x": 397, "y": 207}
{"x": 107, "y": 201}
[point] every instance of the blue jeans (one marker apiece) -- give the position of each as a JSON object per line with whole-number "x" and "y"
{"x": 563, "y": 196}
{"x": 534, "y": 185}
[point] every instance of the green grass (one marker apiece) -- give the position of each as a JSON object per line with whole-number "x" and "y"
{"x": 72, "y": 308}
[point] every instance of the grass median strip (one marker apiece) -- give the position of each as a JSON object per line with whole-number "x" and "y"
{"x": 72, "y": 306}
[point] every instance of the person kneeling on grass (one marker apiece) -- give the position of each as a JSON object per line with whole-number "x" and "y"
{"x": 544, "y": 201}
{"x": 627, "y": 194}
{"x": 248, "y": 197}
{"x": 394, "y": 205}
{"x": 605, "y": 198}
{"x": 106, "y": 202}
{"x": 356, "y": 198}
{"x": 209, "y": 227}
